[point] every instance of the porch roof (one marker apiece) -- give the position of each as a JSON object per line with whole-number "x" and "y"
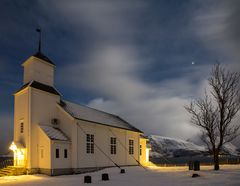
{"x": 54, "y": 133}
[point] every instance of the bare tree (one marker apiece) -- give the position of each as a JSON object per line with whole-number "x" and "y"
{"x": 215, "y": 112}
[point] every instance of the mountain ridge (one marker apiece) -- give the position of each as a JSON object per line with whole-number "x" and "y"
{"x": 172, "y": 147}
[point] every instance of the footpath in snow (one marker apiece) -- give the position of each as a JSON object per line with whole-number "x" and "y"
{"x": 229, "y": 175}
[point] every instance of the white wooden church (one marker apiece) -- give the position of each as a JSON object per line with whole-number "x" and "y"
{"x": 54, "y": 136}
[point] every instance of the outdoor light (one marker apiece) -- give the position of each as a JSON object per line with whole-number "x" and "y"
{"x": 13, "y": 147}
{"x": 19, "y": 152}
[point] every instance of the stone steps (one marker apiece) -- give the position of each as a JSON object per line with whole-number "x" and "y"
{"x": 12, "y": 171}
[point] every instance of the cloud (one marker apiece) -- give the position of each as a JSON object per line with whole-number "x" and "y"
{"x": 101, "y": 18}
{"x": 113, "y": 71}
{"x": 156, "y": 108}
{"x": 159, "y": 112}
{"x": 163, "y": 116}
{"x": 108, "y": 67}
{"x": 114, "y": 67}
{"x": 216, "y": 24}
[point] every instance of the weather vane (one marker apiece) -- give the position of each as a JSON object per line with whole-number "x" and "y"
{"x": 40, "y": 38}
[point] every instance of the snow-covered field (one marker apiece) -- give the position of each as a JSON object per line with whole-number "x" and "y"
{"x": 229, "y": 175}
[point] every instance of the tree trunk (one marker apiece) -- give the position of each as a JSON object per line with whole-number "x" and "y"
{"x": 216, "y": 160}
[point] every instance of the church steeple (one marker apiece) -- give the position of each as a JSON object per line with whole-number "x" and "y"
{"x": 39, "y": 67}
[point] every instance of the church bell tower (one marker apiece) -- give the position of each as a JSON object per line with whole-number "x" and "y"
{"x": 39, "y": 68}
{"x": 34, "y": 104}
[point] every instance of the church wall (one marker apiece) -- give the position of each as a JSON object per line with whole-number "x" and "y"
{"x": 38, "y": 70}
{"x": 122, "y": 148}
{"x": 143, "y": 143}
{"x": 44, "y": 150}
{"x": 103, "y": 143}
{"x": 66, "y": 122}
{"x": 84, "y": 159}
{"x": 43, "y": 109}
{"x": 61, "y": 161}
{"x": 68, "y": 127}
{"x": 21, "y": 115}
{"x": 75, "y": 145}
{"x": 102, "y": 136}
{"x": 135, "y": 137}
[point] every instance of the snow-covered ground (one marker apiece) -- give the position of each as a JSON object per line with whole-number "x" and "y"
{"x": 229, "y": 175}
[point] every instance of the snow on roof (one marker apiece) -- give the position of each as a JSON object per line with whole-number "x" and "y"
{"x": 53, "y": 133}
{"x": 89, "y": 114}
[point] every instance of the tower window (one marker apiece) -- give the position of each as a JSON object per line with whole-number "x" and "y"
{"x": 131, "y": 146}
{"x": 57, "y": 153}
{"x": 21, "y": 127}
{"x": 90, "y": 143}
{"x": 113, "y": 145}
{"x": 140, "y": 150}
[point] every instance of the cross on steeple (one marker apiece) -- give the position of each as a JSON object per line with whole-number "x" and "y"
{"x": 40, "y": 38}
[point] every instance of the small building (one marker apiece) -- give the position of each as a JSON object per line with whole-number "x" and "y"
{"x": 54, "y": 136}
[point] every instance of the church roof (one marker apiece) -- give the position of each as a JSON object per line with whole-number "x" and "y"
{"x": 43, "y": 57}
{"x": 54, "y": 133}
{"x": 40, "y": 86}
{"x": 99, "y": 117}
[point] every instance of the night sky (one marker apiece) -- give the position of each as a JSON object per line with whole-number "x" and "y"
{"x": 142, "y": 60}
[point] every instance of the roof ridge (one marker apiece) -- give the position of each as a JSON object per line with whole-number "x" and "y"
{"x": 91, "y": 108}
{"x": 87, "y": 113}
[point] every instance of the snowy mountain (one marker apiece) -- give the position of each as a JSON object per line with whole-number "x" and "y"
{"x": 170, "y": 147}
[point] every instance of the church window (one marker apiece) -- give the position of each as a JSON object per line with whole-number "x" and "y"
{"x": 65, "y": 153}
{"x": 21, "y": 127}
{"x": 90, "y": 143}
{"x": 140, "y": 150}
{"x": 131, "y": 146}
{"x": 57, "y": 153}
{"x": 113, "y": 145}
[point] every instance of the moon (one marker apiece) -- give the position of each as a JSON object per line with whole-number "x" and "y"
{"x": 193, "y": 63}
